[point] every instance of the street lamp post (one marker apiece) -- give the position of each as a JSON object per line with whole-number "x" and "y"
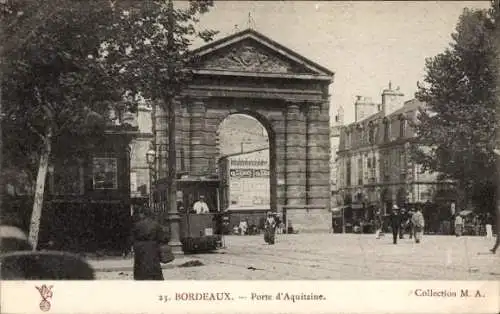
{"x": 151, "y": 158}
{"x": 173, "y": 214}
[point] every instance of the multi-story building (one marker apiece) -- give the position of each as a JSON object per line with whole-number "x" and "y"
{"x": 335, "y": 127}
{"x": 375, "y": 169}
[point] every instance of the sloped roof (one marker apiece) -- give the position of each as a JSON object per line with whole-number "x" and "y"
{"x": 260, "y": 41}
{"x": 409, "y": 105}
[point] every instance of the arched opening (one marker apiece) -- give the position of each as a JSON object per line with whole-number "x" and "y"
{"x": 247, "y": 167}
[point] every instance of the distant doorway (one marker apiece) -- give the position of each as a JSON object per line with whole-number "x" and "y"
{"x": 244, "y": 164}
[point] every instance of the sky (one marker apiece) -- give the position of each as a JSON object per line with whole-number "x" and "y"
{"x": 366, "y": 44}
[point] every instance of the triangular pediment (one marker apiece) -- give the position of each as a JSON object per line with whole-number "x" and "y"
{"x": 250, "y": 51}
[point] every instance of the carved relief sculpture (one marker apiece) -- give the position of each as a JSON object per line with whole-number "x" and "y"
{"x": 249, "y": 59}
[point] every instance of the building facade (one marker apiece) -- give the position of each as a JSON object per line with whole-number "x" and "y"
{"x": 374, "y": 166}
{"x": 249, "y": 73}
{"x": 335, "y": 127}
{"x": 140, "y": 171}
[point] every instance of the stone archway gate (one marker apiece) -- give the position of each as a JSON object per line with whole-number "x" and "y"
{"x": 249, "y": 73}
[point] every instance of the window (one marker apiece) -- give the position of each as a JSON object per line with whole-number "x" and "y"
{"x": 371, "y": 133}
{"x": 386, "y": 130}
{"x": 373, "y": 170}
{"x": 386, "y": 170}
{"x": 360, "y": 171}
{"x": 402, "y": 126}
{"x": 105, "y": 173}
{"x": 361, "y": 135}
{"x": 67, "y": 177}
{"x": 348, "y": 172}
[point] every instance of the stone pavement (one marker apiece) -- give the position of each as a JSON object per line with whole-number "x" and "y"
{"x": 333, "y": 257}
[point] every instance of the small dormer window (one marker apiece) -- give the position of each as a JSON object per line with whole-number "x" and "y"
{"x": 386, "y": 129}
{"x": 360, "y": 136}
{"x": 371, "y": 133}
{"x": 402, "y": 126}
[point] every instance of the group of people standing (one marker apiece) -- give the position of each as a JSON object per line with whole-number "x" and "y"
{"x": 401, "y": 220}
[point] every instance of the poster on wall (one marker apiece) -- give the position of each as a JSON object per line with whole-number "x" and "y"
{"x": 248, "y": 177}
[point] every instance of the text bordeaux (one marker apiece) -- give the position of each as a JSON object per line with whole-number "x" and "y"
{"x": 203, "y": 296}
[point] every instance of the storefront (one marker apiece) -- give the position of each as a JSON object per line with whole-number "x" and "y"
{"x": 87, "y": 196}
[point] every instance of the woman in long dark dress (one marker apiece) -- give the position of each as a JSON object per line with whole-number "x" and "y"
{"x": 147, "y": 235}
{"x": 270, "y": 229}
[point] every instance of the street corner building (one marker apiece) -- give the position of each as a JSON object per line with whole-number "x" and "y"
{"x": 374, "y": 165}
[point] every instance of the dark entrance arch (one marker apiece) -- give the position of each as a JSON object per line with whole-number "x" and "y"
{"x": 252, "y": 74}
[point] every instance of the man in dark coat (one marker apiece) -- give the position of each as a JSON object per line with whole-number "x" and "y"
{"x": 395, "y": 220}
{"x": 147, "y": 235}
{"x": 404, "y": 222}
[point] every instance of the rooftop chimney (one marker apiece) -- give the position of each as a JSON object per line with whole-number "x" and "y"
{"x": 392, "y": 100}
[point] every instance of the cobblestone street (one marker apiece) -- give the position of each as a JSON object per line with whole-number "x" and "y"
{"x": 334, "y": 257}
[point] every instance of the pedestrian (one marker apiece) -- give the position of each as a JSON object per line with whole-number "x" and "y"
{"x": 148, "y": 235}
{"x": 270, "y": 229}
{"x": 459, "y": 222}
{"x": 497, "y": 243}
{"x": 489, "y": 226}
{"x": 378, "y": 224}
{"x": 404, "y": 223}
{"x": 418, "y": 223}
{"x": 411, "y": 226}
{"x": 244, "y": 227}
{"x": 395, "y": 219}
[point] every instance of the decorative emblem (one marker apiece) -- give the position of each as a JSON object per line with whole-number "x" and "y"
{"x": 46, "y": 294}
{"x": 250, "y": 59}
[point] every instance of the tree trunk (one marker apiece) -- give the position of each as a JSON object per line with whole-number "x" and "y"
{"x": 462, "y": 196}
{"x": 36, "y": 214}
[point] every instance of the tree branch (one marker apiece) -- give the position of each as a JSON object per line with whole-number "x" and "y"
{"x": 34, "y": 130}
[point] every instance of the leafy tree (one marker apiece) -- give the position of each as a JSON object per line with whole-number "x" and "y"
{"x": 149, "y": 48}
{"x": 52, "y": 85}
{"x": 458, "y": 125}
{"x": 149, "y": 44}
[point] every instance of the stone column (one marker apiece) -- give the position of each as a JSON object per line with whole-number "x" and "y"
{"x": 318, "y": 158}
{"x": 295, "y": 156}
{"x": 279, "y": 128}
{"x": 198, "y": 161}
{"x": 212, "y": 118}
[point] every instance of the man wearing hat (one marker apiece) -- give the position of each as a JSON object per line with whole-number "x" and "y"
{"x": 395, "y": 220}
